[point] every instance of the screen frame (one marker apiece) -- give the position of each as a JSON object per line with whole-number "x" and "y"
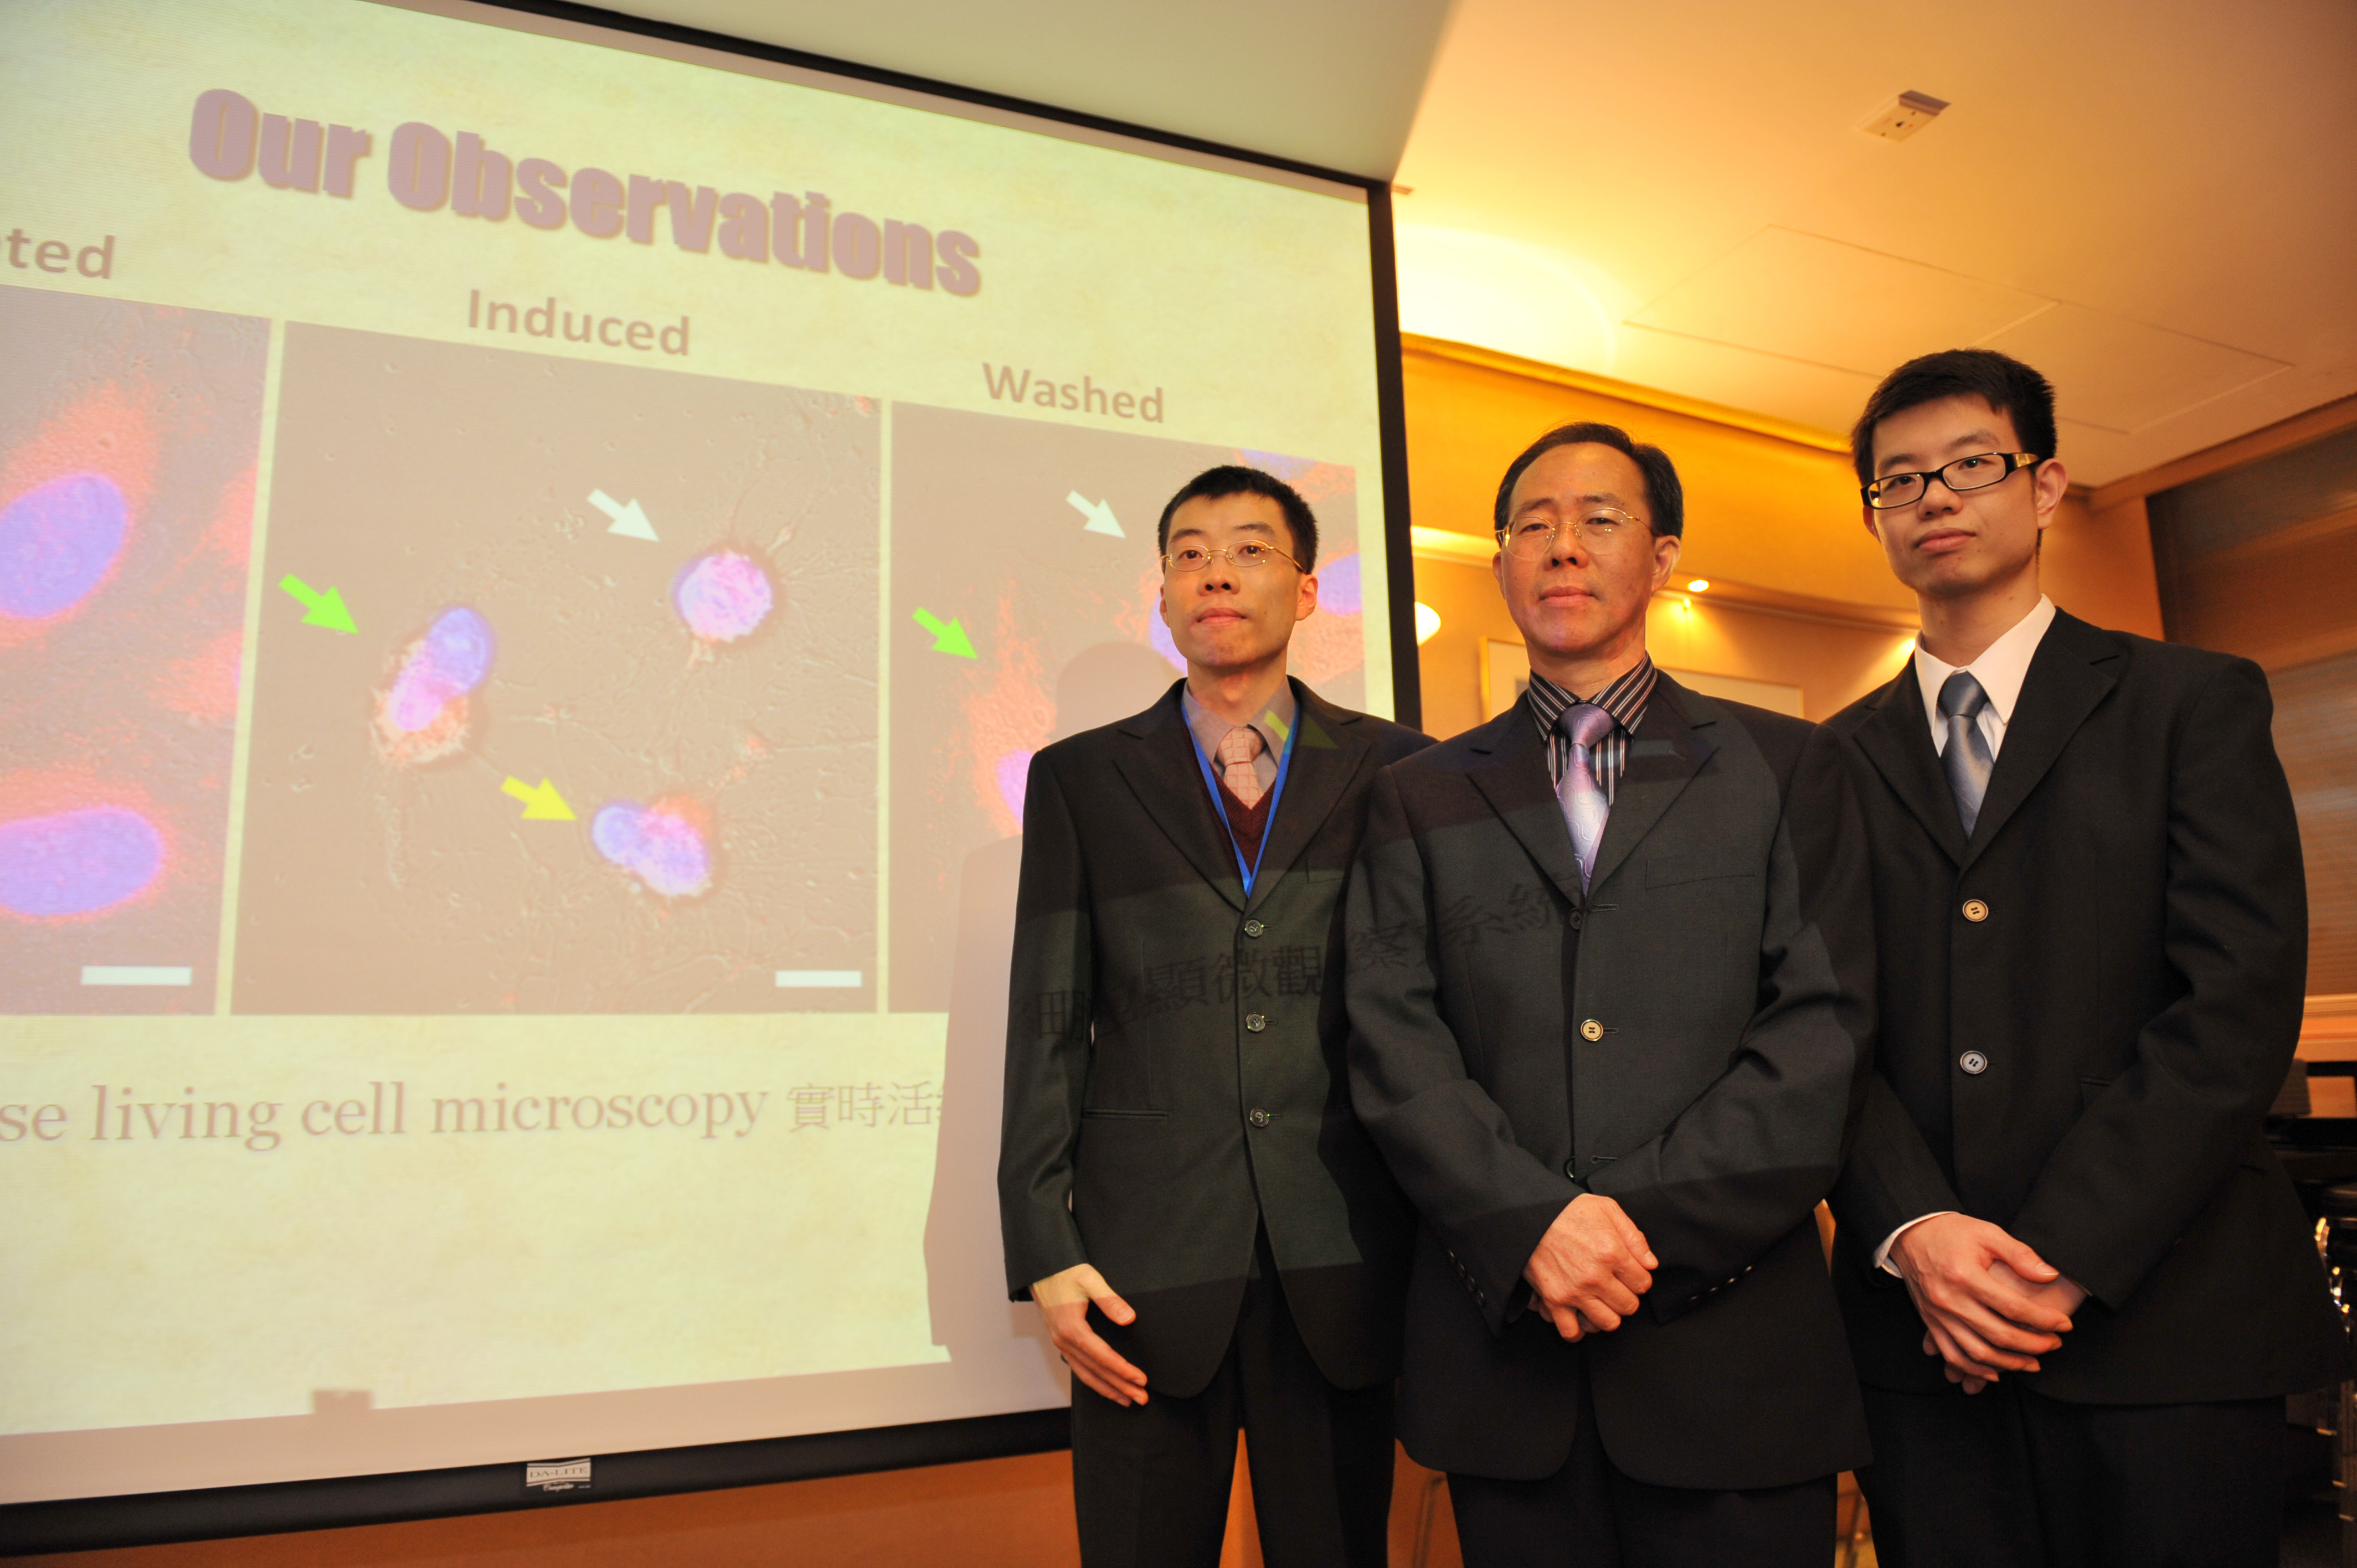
{"x": 89, "y": 1523}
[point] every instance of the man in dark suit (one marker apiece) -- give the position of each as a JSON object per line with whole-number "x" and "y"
{"x": 1609, "y": 989}
{"x": 1183, "y": 1189}
{"x": 2093, "y": 936}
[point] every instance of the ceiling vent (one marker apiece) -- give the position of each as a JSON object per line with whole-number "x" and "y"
{"x": 1904, "y": 116}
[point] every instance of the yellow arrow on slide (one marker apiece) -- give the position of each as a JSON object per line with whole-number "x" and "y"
{"x": 541, "y": 805}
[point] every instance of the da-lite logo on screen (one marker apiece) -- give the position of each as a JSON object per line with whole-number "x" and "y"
{"x": 556, "y": 1475}
{"x": 229, "y": 139}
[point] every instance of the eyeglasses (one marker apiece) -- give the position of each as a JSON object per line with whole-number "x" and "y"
{"x": 1248, "y": 556}
{"x": 1533, "y": 537}
{"x": 1976, "y": 472}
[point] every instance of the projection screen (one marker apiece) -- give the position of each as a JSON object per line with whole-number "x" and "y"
{"x": 532, "y": 560}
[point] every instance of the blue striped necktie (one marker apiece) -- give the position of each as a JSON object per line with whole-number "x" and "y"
{"x": 1585, "y": 808}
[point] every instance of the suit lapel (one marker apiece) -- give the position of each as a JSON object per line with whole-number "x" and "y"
{"x": 2064, "y": 686}
{"x": 1160, "y": 769}
{"x": 1668, "y": 749}
{"x": 1898, "y": 740}
{"x": 1328, "y": 746}
{"x": 1516, "y": 782}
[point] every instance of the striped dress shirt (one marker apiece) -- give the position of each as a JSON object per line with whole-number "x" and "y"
{"x": 1624, "y": 699}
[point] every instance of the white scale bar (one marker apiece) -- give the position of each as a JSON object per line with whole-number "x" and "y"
{"x": 137, "y": 974}
{"x": 818, "y": 979}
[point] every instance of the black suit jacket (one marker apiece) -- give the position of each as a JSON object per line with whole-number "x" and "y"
{"x": 1724, "y": 962}
{"x": 1174, "y": 1050}
{"x": 2135, "y": 984}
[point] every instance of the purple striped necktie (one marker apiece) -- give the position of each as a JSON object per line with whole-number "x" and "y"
{"x": 1585, "y": 808}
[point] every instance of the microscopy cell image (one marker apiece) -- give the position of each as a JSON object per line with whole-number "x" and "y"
{"x": 506, "y": 756}
{"x": 128, "y": 436}
{"x": 57, "y": 543}
{"x": 422, "y": 716}
{"x": 723, "y": 597}
{"x": 667, "y": 845}
{"x": 76, "y": 862}
{"x": 1025, "y": 582}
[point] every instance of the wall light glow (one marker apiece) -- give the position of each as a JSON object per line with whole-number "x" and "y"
{"x": 1531, "y": 300}
{"x": 1428, "y": 621}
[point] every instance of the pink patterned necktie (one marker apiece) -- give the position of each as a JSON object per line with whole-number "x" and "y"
{"x": 1238, "y": 749}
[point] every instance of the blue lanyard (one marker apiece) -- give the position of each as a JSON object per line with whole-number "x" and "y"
{"x": 1283, "y": 766}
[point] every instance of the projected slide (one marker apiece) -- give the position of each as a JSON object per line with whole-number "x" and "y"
{"x": 565, "y": 700}
{"x": 533, "y": 563}
{"x": 1021, "y": 549}
{"x": 127, "y": 438}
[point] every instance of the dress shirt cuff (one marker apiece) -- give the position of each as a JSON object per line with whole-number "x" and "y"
{"x": 1882, "y": 1253}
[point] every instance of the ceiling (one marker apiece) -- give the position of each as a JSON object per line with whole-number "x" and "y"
{"x": 1329, "y": 82}
{"x": 2154, "y": 201}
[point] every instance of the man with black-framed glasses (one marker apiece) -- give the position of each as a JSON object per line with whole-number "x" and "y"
{"x": 2076, "y": 1280}
{"x": 1183, "y": 1189}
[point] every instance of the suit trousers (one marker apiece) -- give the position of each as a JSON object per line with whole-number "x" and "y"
{"x": 1589, "y": 1515}
{"x": 1151, "y": 1482}
{"x": 2010, "y": 1478}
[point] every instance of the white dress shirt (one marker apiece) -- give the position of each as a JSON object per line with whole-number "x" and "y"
{"x": 2001, "y": 668}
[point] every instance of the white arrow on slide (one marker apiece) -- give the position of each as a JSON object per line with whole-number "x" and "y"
{"x": 1099, "y": 513}
{"x": 629, "y": 520}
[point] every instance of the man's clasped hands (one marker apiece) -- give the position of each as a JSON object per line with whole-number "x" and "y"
{"x": 1989, "y": 1304}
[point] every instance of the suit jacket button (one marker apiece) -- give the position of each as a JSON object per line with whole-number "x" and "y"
{"x": 1591, "y": 1030}
{"x": 1571, "y": 1169}
{"x": 1973, "y": 1062}
{"x": 1254, "y": 928}
{"x": 1258, "y": 1118}
{"x": 1975, "y": 911}
{"x": 1255, "y": 1022}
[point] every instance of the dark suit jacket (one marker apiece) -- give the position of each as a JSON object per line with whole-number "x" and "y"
{"x": 1174, "y": 1050}
{"x": 2134, "y": 983}
{"x": 1724, "y": 959}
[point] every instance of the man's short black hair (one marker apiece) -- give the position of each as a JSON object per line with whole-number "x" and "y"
{"x": 1664, "y": 497}
{"x": 2000, "y": 380}
{"x": 1234, "y": 479}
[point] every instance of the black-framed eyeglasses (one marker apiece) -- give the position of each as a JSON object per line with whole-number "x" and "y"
{"x": 1249, "y": 556}
{"x": 1976, "y": 472}
{"x": 1533, "y": 536}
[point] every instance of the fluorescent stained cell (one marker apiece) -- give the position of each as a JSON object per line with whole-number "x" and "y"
{"x": 58, "y": 542}
{"x": 662, "y": 845}
{"x": 444, "y": 665}
{"x": 723, "y": 597}
{"x": 1014, "y": 775}
{"x": 76, "y": 862}
{"x": 1339, "y": 586}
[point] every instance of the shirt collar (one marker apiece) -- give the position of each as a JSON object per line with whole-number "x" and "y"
{"x": 1624, "y": 699}
{"x": 2001, "y": 668}
{"x": 1274, "y": 722}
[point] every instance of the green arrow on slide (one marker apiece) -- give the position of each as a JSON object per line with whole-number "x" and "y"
{"x": 322, "y": 606}
{"x": 949, "y": 638}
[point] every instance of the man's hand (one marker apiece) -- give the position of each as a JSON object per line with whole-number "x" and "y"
{"x": 1064, "y": 1300}
{"x": 1590, "y": 1267}
{"x": 1989, "y": 1303}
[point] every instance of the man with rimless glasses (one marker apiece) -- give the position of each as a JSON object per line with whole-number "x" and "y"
{"x": 2077, "y": 1281}
{"x": 1609, "y": 988}
{"x": 1183, "y": 1190}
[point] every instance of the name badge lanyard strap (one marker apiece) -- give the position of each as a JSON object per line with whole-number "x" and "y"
{"x": 1276, "y": 794}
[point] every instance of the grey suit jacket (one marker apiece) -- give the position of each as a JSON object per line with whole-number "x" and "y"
{"x": 1691, "y": 1038}
{"x": 1174, "y": 1050}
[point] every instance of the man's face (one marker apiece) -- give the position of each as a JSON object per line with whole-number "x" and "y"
{"x": 1950, "y": 543}
{"x": 1583, "y": 598}
{"x": 1225, "y": 616}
